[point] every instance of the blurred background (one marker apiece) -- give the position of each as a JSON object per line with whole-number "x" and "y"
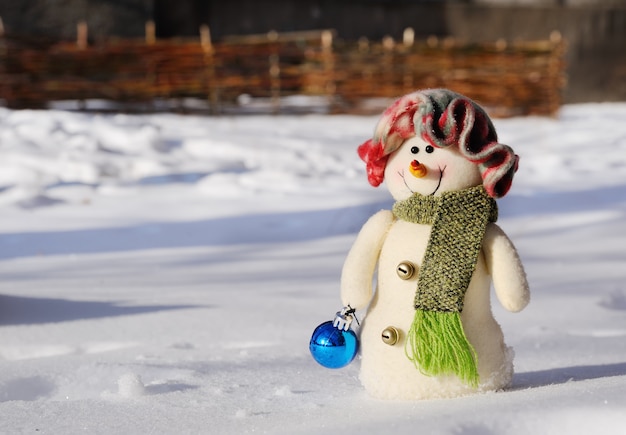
{"x": 592, "y": 34}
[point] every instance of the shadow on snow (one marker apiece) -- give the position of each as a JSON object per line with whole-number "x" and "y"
{"x": 270, "y": 227}
{"x": 544, "y": 378}
{"x": 259, "y": 228}
{"x": 17, "y": 310}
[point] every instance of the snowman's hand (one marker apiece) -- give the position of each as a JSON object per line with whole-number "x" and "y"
{"x": 506, "y": 269}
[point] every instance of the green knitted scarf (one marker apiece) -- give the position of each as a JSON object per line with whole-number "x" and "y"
{"x": 436, "y": 342}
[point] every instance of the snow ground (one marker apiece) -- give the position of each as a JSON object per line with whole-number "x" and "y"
{"x": 164, "y": 273}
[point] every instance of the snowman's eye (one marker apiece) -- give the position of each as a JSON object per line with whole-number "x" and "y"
{"x": 429, "y": 149}
{"x": 415, "y": 150}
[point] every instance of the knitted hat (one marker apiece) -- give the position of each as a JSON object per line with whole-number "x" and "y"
{"x": 442, "y": 118}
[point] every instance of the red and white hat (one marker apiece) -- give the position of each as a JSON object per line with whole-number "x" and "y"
{"x": 442, "y": 118}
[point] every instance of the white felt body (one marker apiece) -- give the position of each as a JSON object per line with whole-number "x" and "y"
{"x": 386, "y": 372}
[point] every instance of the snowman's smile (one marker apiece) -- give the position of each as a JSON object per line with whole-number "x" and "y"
{"x": 439, "y": 182}
{"x": 441, "y": 170}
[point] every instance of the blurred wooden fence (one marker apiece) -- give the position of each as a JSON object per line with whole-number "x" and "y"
{"x": 508, "y": 79}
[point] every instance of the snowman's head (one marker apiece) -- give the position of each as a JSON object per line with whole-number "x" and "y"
{"x": 436, "y": 140}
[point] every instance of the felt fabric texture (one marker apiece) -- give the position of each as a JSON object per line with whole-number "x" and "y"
{"x": 436, "y": 341}
{"x": 459, "y": 220}
{"x": 466, "y": 155}
{"x": 385, "y": 371}
{"x": 444, "y": 119}
{"x": 356, "y": 288}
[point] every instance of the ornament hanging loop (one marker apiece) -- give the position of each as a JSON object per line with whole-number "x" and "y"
{"x": 344, "y": 318}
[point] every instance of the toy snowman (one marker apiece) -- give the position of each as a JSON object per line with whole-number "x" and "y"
{"x": 428, "y": 331}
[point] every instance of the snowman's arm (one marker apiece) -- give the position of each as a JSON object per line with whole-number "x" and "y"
{"x": 507, "y": 271}
{"x": 358, "y": 269}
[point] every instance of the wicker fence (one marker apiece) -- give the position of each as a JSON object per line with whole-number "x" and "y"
{"x": 508, "y": 79}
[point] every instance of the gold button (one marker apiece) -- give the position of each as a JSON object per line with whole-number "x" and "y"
{"x": 390, "y": 335}
{"x": 405, "y": 270}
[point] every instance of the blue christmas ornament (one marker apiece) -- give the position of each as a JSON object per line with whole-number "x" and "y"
{"x": 333, "y": 344}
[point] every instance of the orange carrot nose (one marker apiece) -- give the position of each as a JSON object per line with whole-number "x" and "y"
{"x": 417, "y": 169}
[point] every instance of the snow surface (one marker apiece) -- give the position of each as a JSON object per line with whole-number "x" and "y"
{"x": 164, "y": 273}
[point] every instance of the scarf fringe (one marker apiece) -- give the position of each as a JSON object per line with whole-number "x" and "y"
{"x": 437, "y": 345}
